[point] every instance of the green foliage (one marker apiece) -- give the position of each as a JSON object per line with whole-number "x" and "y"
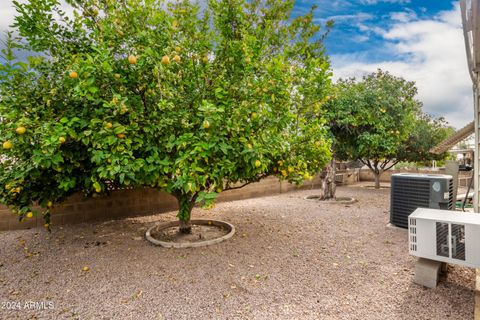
{"x": 378, "y": 121}
{"x": 167, "y": 95}
{"x": 370, "y": 119}
{"x": 426, "y": 133}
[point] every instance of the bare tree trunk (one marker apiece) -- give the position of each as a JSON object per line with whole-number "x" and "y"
{"x": 377, "y": 179}
{"x": 328, "y": 181}
{"x": 185, "y": 206}
{"x": 185, "y": 226}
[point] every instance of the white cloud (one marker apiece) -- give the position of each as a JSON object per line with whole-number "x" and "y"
{"x": 360, "y": 38}
{"x": 404, "y": 16}
{"x": 7, "y": 13}
{"x": 435, "y": 59}
{"x": 371, "y": 2}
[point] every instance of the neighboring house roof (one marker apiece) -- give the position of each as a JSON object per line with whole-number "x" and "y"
{"x": 455, "y": 138}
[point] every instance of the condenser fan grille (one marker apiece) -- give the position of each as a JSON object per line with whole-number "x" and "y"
{"x": 408, "y": 195}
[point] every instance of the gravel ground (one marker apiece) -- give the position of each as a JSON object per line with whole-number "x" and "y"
{"x": 290, "y": 259}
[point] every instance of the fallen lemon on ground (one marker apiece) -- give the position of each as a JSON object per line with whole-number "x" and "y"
{"x": 85, "y": 269}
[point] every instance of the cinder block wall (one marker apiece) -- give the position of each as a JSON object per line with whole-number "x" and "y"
{"x": 367, "y": 175}
{"x": 138, "y": 202}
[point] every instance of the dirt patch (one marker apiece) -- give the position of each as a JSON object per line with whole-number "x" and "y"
{"x": 199, "y": 233}
{"x": 337, "y": 200}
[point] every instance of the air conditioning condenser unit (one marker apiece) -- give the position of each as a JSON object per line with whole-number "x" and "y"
{"x": 411, "y": 191}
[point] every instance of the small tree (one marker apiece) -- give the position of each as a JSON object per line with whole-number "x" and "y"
{"x": 169, "y": 95}
{"x": 372, "y": 119}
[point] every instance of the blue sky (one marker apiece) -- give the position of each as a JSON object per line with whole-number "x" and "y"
{"x": 420, "y": 40}
{"x": 352, "y": 18}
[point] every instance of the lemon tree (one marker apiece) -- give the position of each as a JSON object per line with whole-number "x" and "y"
{"x": 372, "y": 120}
{"x": 192, "y": 100}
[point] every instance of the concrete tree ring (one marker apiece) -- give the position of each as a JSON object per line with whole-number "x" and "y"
{"x": 169, "y": 244}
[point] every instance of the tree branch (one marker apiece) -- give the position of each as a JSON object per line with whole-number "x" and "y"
{"x": 384, "y": 163}
{"x": 239, "y": 187}
{"x": 394, "y": 163}
{"x": 247, "y": 183}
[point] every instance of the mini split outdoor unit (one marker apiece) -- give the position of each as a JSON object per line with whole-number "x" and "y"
{"x": 447, "y": 236}
{"x": 412, "y": 191}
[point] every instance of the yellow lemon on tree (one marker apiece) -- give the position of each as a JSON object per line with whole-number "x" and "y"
{"x": 165, "y": 60}
{"x": 117, "y": 75}
{"x": 109, "y": 125}
{"x": 73, "y": 75}
{"x": 206, "y": 124}
{"x": 49, "y": 204}
{"x": 120, "y": 135}
{"x": 254, "y": 115}
{"x": 7, "y": 145}
{"x": 21, "y": 130}
{"x": 280, "y": 163}
{"x": 30, "y": 214}
{"x": 176, "y": 58}
{"x": 177, "y": 49}
{"x": 284, "y": 173}
{"x": 258, "y": 163}
{"x": 62, "y": 140}
{"x": 132, "y": 59}
{"x": 290, "y": 169}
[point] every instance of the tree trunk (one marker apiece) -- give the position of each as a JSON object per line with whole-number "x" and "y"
{"x": 328, "y": 181}
{"x": 185, "y": 206}
{"x": 377, "y": 179}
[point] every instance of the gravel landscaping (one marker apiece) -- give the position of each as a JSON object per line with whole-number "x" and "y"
{"x": 290, "y": 258}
